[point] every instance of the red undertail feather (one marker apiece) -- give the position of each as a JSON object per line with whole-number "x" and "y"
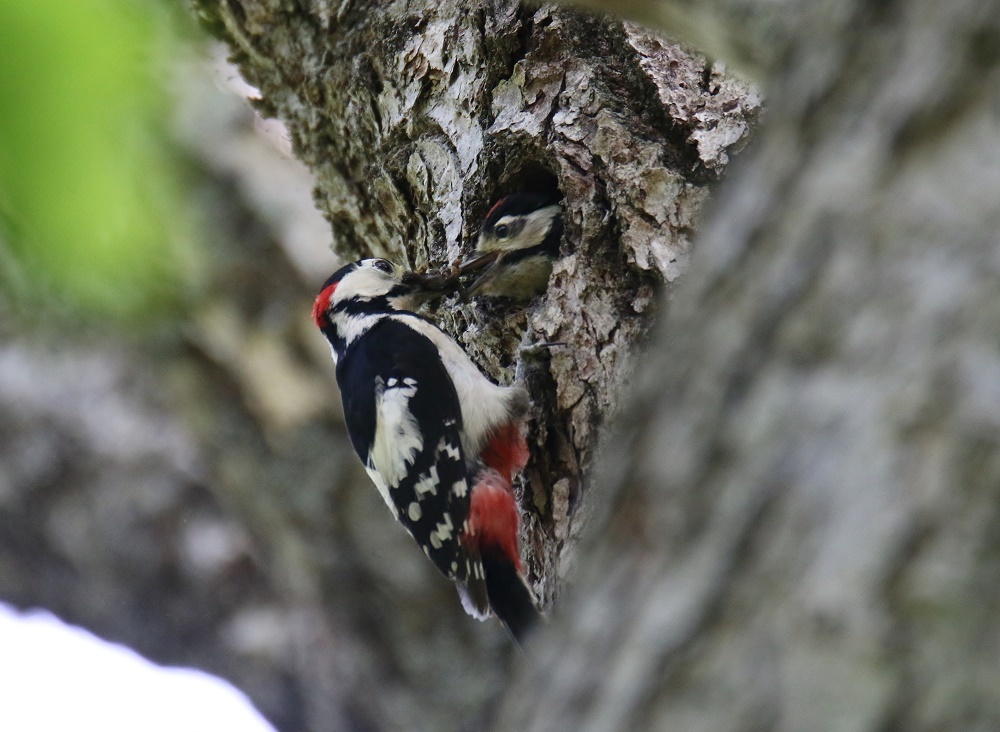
{"x": 507, "y": 451}
{"x": 493, "y": 517}
{"x": 493, "y": 524}
{"x": 321, "y": 305}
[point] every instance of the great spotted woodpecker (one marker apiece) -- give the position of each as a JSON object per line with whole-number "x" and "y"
{"x": 439, "y": 440}
{"x": 518, "y": 241}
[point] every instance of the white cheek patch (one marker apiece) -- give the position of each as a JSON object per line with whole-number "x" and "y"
{"x": 363, "y": 283}
{"x": 397, "y": 434}
{"x": 537, "y": 225}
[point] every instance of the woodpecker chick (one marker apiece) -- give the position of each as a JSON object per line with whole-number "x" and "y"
{"x": 518, "y": 241}
{"x": 439, "y": 440}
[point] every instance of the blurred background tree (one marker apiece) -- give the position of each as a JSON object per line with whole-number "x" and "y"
{"x": 160, "y": 392}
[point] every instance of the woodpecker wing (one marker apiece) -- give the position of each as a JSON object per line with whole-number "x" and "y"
{"x": 405, "y": 422}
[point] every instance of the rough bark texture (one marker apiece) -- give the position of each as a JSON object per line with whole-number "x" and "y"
{"x": 804, "y": 502}
{"x": 415, "y": 118}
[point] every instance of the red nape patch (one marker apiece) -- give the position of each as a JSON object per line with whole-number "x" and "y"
{"x": 493, "y": 518}
{"x": 507, "y": 451}
{"x": 321, "y": 305}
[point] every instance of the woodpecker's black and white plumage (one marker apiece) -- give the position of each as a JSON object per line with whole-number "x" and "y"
{"x": 439, "y": 440}
{"x": 518, "y": 242}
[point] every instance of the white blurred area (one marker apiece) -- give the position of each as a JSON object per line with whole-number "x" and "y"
{"x": 56, "y": 677}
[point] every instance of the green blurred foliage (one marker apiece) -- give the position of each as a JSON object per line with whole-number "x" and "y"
{"x": 92, "y": 214}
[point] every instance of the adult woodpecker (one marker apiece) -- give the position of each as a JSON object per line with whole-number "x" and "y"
{"x": 440, "y": 441}
{"x": 518, "y": 241}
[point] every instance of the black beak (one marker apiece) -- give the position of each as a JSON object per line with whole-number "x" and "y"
{"x": 435, "y": 281}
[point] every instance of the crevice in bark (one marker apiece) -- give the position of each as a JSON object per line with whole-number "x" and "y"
{"x": 416, "y": 118}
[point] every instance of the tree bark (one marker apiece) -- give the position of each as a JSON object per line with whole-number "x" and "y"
{"x": 801, "y": 531}
{"x": 796, "y": 527}
{"x": 416, "y": 117}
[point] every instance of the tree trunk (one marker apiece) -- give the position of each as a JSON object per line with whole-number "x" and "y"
{"x": 796, "y": 527}
{"x": 416, "y": 117}
{"x": 803, "y": 501}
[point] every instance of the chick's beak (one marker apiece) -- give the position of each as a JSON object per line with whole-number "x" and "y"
{"x": 477, "y": 263}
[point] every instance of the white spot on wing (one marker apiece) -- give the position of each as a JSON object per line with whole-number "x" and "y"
{"x": 414, "y": 511}
{"x": 474, "y": 570}
{"x": 442, "y": 532}
{"x": 460, "y": 488}
{"x": 448, "y": 450}
{"x": 428, "y": 482}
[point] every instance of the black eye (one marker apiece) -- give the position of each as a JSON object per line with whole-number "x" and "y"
{"x": 502, "y": 231}
{"x": 382, "y": 265}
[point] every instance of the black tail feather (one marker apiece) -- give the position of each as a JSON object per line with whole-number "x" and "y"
{"x": 510, "y": 597}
